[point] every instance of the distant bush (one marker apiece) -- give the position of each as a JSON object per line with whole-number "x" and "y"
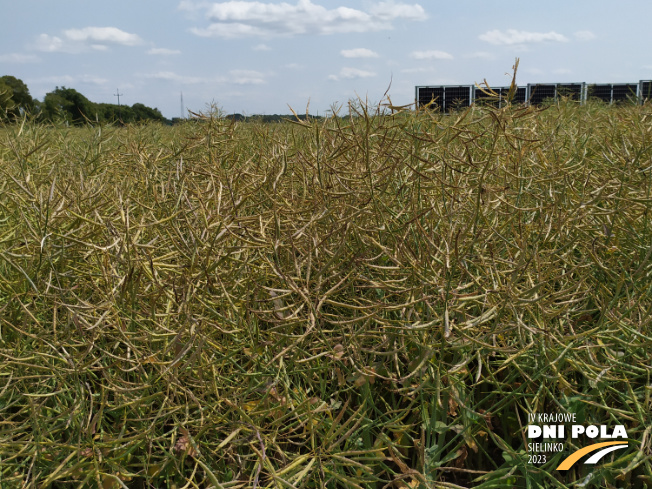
{"x": 67, "y": 105}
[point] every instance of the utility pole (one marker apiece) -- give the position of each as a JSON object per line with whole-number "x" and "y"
{"x": 183, "y": 112}
{"x": 118, "y": 94}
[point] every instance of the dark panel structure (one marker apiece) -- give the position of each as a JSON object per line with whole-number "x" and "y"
{"x": 613, "y": 92}
{"x": 430, "y": 95}
{"x": 483, "y": 96}
{"x": 574, "y": 91}
{"x": 624, "y": 92}
{"x": 540, "y": 92}
{"x": 521, "y": 95}
{"x": 446, "y": 98}
{"x": 457, "y": 97}
{"x": 600, "y": 91}
{"x": 645, "y": 90}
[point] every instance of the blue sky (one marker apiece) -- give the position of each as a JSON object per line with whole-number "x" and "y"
{"x": 261, "y": 56}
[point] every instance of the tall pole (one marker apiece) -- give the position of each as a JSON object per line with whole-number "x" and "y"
{"x": 118, "y": 94}
{"x": 182, "y": 107}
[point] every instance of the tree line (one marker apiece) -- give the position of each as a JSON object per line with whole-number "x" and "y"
{"x": 67, "y": 105}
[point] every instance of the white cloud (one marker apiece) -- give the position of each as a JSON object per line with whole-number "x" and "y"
{"x": 93, "y": 80}
{"x": 584, "y": 35}
{"x": 535, "y": 71}
{"x": 261, "y": 47}
{"x": 562, "y": 71}
{"x": 246, "y": 77}
{"x": 481, "y": 55}
{"x": 48, "y": 44}
{"x": 351, "y": 73}
{"x": 63, "y": 80}
{"x": 358, "y": 53}
{"x": 80, "y": 40}
{"x": 252, "y": 18}
{"x": 391, "y": 10}
{"x": 19, "y": 58}
{"x": 228, "y": 31}
{"x": 190, "y": 6}
{"x": 174, "y": 77}
{"x": 111, "y": 35}
{"x": 238, "y": 77}
{"x": 434, "y": 54}
{"x": 513, "y": 36}
{"x": 56, "y": 80}
{"x": 163, "y": 51}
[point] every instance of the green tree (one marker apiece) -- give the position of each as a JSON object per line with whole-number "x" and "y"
{"x": 15, "y": 97}
{"x": 69, "y": 104}
{"x": 114, "y": 113}
{"x": 6, "y": 103}
{"x": 144, "y": 113}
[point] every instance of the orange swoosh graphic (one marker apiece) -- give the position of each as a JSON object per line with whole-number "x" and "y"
{"x": 574, "y": 457}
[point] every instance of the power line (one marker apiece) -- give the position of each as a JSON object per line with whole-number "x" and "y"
{"x": 118, "y": 94}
